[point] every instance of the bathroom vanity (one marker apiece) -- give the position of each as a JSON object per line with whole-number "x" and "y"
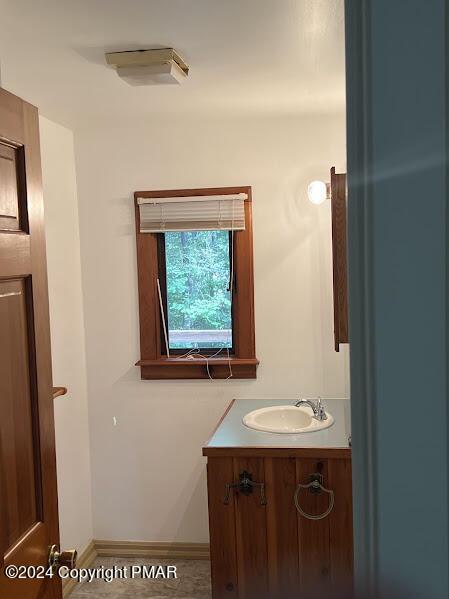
{"x": 265, "y": 539}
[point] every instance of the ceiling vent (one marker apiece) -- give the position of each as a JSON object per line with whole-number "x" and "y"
{"x": 149, "y": 67}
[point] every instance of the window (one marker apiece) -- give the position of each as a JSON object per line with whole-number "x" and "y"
{"x": 195, "y": 270}
{"x": 195, "y": 273}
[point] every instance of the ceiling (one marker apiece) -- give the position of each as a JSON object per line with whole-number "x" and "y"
{"x": 245, "y": 56}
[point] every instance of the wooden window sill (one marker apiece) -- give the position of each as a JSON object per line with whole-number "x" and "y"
{"x": 196, "y": 368}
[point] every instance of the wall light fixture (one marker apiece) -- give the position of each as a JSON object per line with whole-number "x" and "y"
{"x": 318, "y": 192}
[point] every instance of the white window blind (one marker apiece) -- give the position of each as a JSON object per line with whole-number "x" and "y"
{"x": 193, "y": 213}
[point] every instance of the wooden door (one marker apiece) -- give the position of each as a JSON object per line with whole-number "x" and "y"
{"x": 28, "y": 495}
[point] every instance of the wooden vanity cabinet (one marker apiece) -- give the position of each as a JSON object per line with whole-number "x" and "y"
{"x": 268, "y": 550}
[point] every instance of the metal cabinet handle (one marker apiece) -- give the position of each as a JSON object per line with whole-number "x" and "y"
{"x": 245, "y": 486}
{"x": 315, "y": 487}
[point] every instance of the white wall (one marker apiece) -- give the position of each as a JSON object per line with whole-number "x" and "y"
{"x": 148, "y": 473}
{"x": 67, "y": 334}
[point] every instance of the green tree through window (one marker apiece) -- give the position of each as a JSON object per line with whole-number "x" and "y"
{"x": 198, "y": 300}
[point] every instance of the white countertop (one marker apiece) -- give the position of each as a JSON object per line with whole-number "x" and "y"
{"x": 233, "y": 433}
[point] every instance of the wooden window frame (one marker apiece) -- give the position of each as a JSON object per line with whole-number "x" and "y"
{"x": 154, "y": 362}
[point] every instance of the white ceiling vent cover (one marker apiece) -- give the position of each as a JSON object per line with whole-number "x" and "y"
{"x": 149, "y": 67}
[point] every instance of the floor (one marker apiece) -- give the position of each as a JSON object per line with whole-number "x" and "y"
{"x": 192, "y": 582}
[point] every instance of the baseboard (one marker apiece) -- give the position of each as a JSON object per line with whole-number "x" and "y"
{"x": 152, "y": 550}
{"x": 85, "y": 560}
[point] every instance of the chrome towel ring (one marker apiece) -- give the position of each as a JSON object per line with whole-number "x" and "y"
{"x": 315, "y": 487}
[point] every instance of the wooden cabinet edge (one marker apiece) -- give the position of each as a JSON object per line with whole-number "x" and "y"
{"x": 339, "y": 259}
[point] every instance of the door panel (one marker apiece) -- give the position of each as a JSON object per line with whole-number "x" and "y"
{"x": 17, "y": 425}
{"x": 28, "y": 512}
{"x": 12, "y": 188}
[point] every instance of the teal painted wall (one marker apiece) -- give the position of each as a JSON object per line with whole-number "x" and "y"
{"x": 397, "y": 164}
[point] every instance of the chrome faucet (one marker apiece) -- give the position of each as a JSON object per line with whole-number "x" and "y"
{"x": 319, "y": 412}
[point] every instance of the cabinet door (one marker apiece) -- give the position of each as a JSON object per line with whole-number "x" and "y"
{"x": 251, "y": 534}
{"x": 313, "y": 535}
{"x": 282, "y": 528}
{"x": 272, "y": 551}
{"x": 326, "y": 546}
{"x": 222, "y": 530}
{"x": 340, "y": 526}
{"x": 339, "y": 260}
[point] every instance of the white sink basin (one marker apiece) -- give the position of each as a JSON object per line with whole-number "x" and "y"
{"x": 286, "y": 419}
